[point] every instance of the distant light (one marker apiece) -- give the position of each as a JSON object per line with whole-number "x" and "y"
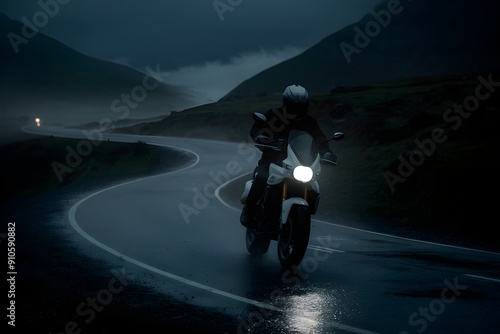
{"x": 37, "y": 120}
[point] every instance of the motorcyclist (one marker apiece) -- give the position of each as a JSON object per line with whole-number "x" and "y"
{"x": 271, "y": 129}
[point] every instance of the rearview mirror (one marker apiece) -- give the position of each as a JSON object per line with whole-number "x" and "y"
{"x": 260, "y": 118}
{"x": 339, "y": 135}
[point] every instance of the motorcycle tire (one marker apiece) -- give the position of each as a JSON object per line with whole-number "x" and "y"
{"x": 293, "y": 237}
{"x": 257, "y": 244}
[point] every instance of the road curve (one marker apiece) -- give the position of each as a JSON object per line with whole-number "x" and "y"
{"x": 178, "y": 228}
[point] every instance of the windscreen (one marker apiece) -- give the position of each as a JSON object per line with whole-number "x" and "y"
{"x": 302, "y": 144}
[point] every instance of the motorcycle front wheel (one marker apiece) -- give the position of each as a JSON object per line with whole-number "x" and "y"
{"x": 257, "y": 244}
{"x": 294, "y": 236}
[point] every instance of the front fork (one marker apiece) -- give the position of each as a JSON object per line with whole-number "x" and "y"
{"x": 288, "y": 203}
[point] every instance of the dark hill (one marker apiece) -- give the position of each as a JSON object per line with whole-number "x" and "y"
{"x": 41, "y": 77}
{"x": 422, "y": 38}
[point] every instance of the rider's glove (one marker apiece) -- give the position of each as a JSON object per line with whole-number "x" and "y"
{"x": 266, "y": 142}
{"x": 261, "y": 139}
{"x": 279, "y": 143}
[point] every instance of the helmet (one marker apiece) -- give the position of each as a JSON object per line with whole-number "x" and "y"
{"x": 296, "y": 100}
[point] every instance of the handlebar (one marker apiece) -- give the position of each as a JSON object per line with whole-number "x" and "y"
{"x": 279, "y": 149}
{"x": 272, "y": 147}
{"x": 328, "y": 162}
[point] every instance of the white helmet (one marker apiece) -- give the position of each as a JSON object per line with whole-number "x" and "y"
{"x": 296, "y": 94}
{"x": 296, "y": 100}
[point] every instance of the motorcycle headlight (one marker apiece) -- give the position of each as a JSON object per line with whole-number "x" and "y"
{"x": 303, "y": 174}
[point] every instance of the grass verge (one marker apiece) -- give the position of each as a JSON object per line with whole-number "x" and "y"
{"x": 37, "y": 165}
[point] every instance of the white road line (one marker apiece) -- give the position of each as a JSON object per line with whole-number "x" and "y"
{"x": 74, "y": 224}
{"x": 217, "y": 195}
{"x": 217, "y": 191}
{"x": 408, "y": 239}
{"x": 325, "y": 249}
{"x": 496, "y": 280}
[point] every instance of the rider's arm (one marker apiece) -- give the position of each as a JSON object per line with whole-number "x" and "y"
{"x": 323, "y": 146}
{"x": 254, "y": 131}
{"x": 320, "y": 138}
{"x": 261, "y": 132}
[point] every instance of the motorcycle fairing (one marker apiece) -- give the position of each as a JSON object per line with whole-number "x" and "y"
{"x": 277, "y": 173}
{"x": 244, "y": 195}
{"x": 287, "y": 205}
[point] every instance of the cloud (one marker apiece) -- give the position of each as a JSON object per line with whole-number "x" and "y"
{"x": 213, "y": 80}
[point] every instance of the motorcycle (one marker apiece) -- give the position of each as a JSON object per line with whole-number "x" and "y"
{"x": 290, "y": 199}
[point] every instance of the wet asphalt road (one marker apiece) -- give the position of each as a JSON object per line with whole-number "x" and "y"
{"x": 182, "y": 229}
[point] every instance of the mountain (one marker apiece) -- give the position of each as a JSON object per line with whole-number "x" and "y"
{"x": 419, "y": 105}
{"x": 41, "y": 77}
{"x": 414, "y": 38}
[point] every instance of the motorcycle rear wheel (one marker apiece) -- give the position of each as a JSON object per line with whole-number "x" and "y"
{"x": 257, "y": 244}
{"x": 294, "y": 237}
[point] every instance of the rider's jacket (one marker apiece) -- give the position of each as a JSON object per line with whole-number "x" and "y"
{"x": 276, "y": 132}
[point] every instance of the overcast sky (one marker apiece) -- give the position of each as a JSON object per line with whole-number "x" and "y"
{"x": 208, "y": 49}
